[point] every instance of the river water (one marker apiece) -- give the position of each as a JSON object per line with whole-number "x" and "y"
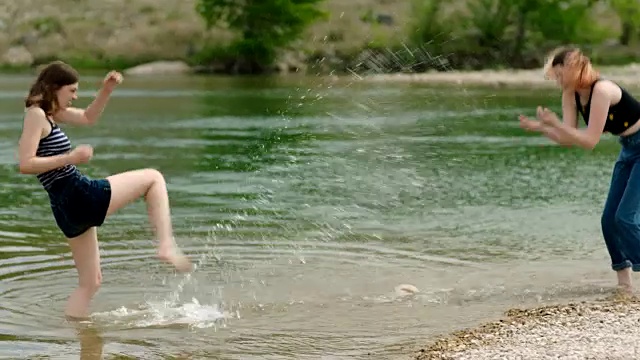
{"x": 305, "y": 202}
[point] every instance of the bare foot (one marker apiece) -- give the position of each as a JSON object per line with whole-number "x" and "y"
{"x": 624, "y": 289}
{"x": 624, "y": 277}
{"x": 175, "y": 257}
{"x": 621, "y": 293}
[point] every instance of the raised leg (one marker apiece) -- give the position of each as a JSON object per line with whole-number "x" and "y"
{"x": 131, "y": 185}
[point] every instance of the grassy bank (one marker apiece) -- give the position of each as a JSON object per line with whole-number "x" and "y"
{"x": 374, "y": 36}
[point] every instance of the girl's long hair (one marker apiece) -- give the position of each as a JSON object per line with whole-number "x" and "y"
{"x": 51, "y": 78}
{"x": 578, "y": 70}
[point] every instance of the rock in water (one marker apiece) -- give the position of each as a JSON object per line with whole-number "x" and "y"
{"x": 406, "y": 289}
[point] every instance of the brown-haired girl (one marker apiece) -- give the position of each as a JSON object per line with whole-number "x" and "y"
{"x": 81, "y": 204}
{"x": 605, "y": 107}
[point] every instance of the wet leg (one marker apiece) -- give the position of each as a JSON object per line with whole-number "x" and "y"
{"x": 150, "y": 184}
{"x": 86, "y": 257}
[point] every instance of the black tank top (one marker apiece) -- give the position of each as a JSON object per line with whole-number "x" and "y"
{"x": 620, "y": 116}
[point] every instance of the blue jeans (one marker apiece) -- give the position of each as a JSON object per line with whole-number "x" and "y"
{"x": 621, "y": 215}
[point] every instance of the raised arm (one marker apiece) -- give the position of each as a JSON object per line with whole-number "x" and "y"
{"x": 35, "y": 126}
{"x": 92, "y": 113}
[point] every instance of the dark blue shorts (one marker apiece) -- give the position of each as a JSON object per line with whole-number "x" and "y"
{"x": 79, "y": 203}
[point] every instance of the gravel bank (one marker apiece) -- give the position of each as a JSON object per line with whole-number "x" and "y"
{"x": 628, "y": 75}
{"x": 606, "y": 329}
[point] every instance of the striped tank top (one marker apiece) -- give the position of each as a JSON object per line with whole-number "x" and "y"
{"x": 56, "y": 143}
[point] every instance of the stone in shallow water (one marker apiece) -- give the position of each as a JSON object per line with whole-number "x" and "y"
{"x": 406, "y": 289}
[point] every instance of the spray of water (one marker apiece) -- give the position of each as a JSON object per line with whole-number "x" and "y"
{"x": 404, "y": 60}
{"x": 185, "y": 305}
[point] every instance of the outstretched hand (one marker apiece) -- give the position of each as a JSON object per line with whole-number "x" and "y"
{"x": 528, "y": 124}
{"x": 548, "y": 124}
{"x": 547, "y": 117}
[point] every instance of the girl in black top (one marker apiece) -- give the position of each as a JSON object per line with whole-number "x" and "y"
{"x": 605, "y": 107}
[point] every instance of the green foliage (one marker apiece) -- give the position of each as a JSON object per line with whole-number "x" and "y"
{"x": 263, "y": 26}
{"x": 98, "y": 62}
{"x": 507, "y": 32}
{"x": 490, "y": 20}
{"x": 629, "y": 13}
{"x": 427, "y": 26}
{"x": 561, "y": 21}
{"x": 47, "y": 25}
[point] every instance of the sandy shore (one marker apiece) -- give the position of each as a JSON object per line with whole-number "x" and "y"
{"x": 605, "y": 329}
{"x": 628, "y": 75}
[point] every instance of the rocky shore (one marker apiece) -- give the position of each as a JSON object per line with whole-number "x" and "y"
{"x": 628, "y": 75}
{"x": 605, "y": 329}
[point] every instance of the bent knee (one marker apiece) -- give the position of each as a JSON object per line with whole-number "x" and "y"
{"x": 608, "y": 220}
{"x": 154, "y": 175}
{"x": 626, "y": 220}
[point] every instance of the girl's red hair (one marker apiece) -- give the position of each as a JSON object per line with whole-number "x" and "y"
{"x": 578, "y": 70}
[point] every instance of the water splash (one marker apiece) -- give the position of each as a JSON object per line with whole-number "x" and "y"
{"x": 166, "y": 314}
{"x": 405, "y": 60}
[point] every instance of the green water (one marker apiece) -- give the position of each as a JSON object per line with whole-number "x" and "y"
{"x": 305, "y": 202}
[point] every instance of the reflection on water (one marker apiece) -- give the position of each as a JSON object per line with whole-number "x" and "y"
{"x": 305, "y": 203}
{"x": 91, "y": 342}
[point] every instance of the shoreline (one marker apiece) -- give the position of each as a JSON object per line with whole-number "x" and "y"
{"x": 600, "y": 329}
{"x": 628, "y": 75}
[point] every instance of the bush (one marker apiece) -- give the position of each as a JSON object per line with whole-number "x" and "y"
{"x": 505, "y": 33}
{"x": 263, "y": 28}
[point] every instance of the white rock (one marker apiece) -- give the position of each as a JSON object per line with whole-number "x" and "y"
{"x": 159, "y": 68}
{"x": 17, "y": 56}
{"x": 406, "y": 289}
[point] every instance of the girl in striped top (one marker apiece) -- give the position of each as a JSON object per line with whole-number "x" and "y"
{"x": 79, "y": 203}
{"x": 56, "y": 142}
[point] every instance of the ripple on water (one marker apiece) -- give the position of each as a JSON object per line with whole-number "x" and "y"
{"x": 303, "y": 227}
{"x": 257, "y": 298}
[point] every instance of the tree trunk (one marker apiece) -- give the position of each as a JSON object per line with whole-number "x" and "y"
{"x": 625, "y": 37}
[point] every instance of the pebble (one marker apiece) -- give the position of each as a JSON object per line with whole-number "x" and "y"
{"x": 604, "y": 329}
{"x": 406, "y": 289}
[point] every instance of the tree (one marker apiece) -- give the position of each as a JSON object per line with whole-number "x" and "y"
{"x": 629, "y": 13}
{"x": 263, "y": 27}
{"x": 508, "y": 32}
